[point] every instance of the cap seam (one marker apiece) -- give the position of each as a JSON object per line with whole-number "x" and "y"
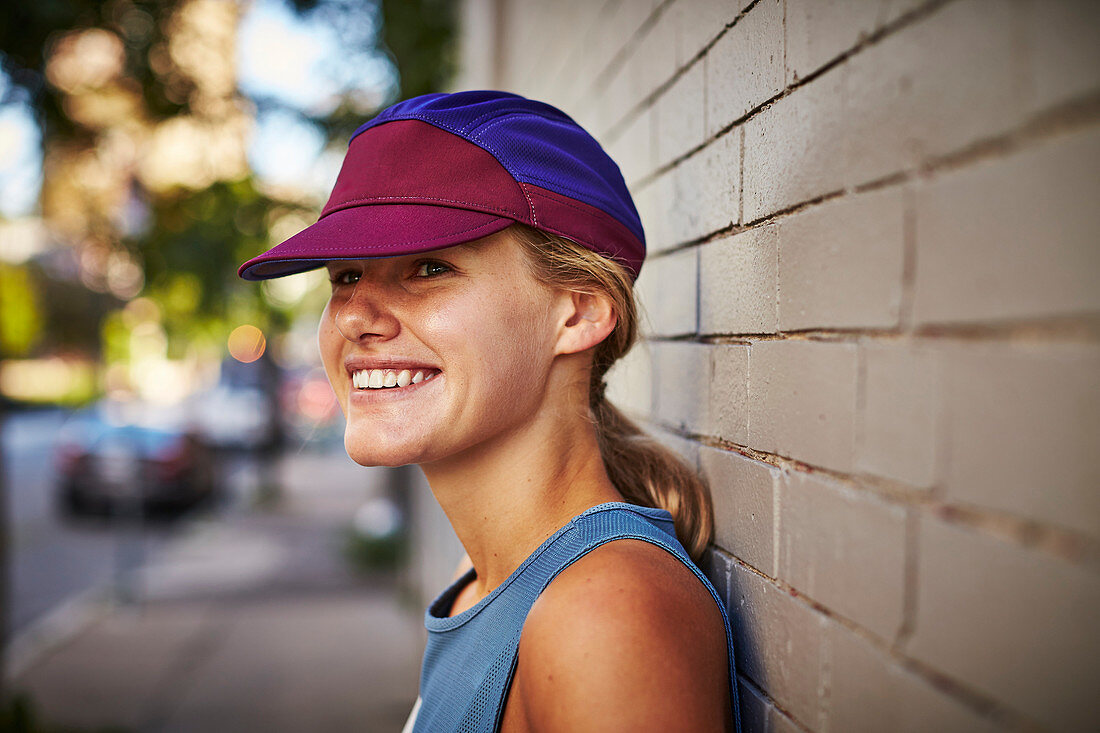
{"x": 575, "y": 194}
{"x": 595, "y": 213}
{"x": 530, "y": 203}
{"x": 464, "y": 205}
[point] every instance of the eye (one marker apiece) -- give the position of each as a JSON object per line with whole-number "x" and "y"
{"x": 432, "y": 268}
{"x": 344, "y": 277}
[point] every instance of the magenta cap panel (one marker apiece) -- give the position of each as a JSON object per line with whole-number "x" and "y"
{"x": 409, "y": 186}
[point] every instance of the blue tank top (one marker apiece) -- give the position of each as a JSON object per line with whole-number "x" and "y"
{"x": 470, "y": 658}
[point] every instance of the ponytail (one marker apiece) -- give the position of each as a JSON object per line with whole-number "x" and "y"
{"x": 643, "y": 471}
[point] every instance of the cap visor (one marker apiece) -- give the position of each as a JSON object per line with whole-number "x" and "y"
{"x": 377, "y": 230}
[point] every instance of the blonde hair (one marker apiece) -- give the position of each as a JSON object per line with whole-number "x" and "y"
{"x": 643, "y": 471}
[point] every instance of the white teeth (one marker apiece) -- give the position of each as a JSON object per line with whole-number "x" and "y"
{"x": 387, "y": 378}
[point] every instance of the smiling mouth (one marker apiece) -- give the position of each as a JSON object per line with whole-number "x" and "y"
{"x": 390, "y": 378}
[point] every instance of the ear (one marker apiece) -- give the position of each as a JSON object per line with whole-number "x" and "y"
{"x": 588, "y": 319}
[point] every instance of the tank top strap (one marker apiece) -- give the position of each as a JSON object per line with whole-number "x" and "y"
{"x": 470, "y": 658}
{"x": 587, "y": 531}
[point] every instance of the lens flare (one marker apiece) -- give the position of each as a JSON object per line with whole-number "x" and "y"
{"x": 247, "y": 343}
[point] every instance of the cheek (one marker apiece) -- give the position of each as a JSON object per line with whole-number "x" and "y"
{"x": 506, "y": 339}
{"x": 330, "y": 344}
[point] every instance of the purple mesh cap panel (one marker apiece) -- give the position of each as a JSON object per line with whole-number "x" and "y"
{"x": 585, "y": 173}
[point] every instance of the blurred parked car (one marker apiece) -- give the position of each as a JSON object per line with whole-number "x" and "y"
{"x": 241, "y": 412}
{"x": 107, "y": 464}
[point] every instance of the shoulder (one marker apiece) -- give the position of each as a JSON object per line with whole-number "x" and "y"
{"x": 624, "y": 638}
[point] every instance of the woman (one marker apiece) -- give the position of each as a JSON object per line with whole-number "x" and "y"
{"x": 482, "y": 249}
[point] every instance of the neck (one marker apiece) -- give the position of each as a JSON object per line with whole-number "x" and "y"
{"x": 505, "y": 497}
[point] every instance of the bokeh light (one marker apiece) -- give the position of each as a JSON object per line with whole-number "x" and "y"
{"x": 247, "y": 343}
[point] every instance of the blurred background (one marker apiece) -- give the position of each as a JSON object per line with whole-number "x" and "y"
{"x": 173, "y": 464}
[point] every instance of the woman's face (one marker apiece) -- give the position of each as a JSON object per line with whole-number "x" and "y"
{"x": 465, "y": 335}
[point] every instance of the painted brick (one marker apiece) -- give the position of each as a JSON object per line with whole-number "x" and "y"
{"x": 1014, "y": 623}
{"x": 840, "y": 263}
{"x": 844, "y": 549}
{"x": 745, "y": 66}
{"x": 778, "y": 641}
{"x": 729, "y": 393}
{"x": 897, "y": 426}
{"x": 755, "y": 708}
{"x": 618, "y": 100}
{"x": 717, "y": 566}
{"x": 795, "y": 150}
{"x": 818, "y": 32}
{"x": 1022, "y": 426}
{"x": 743, "y": 491}
{"x": 870, "y": 692}
{"x": 697, "y": 23}
{"x": 686, "y": 450}
{"x": 737, "y": 283}
{"x": 802, "y": 400}
{"x": 780, "y": 723}
{"x": 1065, "y": 57}
{"x": 681, "y": 383}
{"x": 705, "y": 189}
{"x": 653, "y": 61}
{"x": 581, "y": 28}
{"x": 667, "y": 290}
{"x": 630, "y": 381}
{"x": 933, "y": 109}
{"x": 1011, "y": 238}
{"x": 633, "y": 149}
{"x": 652, "y": 201}
{"x": 625, "y": 20}
{"x": 680, "y": 116}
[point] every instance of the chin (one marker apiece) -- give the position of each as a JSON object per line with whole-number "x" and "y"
{"x": 369, "y": 454}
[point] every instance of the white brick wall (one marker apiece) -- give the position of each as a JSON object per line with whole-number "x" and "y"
{"x": 745, "y": 66}
{"x": 844, "y": 549}
{"x": 796, "y": 149}
{"x": 1016, "y": 624}
{"x": 897, "y": 426}
{"x": 841, "y": 263}
{"x": 1012, "y": 237}
{"x": 802, "y": 400}
{"x": 872, "y": 302}
{"x": 744, "y": 506}
{"x": 737, "y": 283}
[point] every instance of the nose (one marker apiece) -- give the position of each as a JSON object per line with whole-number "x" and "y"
{"x": 367, "y": 314}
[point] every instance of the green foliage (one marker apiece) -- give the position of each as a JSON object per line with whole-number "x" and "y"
{"x": 193, "y": 241}
{"x": 29, "y": 29}
{"x": 193, "y": 247}
{"x": 420, "y": 35}
{"x": 71, "y": 313}
{"x": 20, "y": 312}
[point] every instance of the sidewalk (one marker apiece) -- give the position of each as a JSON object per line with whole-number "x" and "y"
{"x": 250, "y": 622}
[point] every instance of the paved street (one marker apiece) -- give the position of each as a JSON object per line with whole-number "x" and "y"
{"x": 244, "y": 620}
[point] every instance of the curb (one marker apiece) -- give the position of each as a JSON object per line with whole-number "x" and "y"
{"x": 54, "y": 629}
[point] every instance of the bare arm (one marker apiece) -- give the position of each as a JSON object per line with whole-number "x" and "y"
{"x": 625, "y": 639}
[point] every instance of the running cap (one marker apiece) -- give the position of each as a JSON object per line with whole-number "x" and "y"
{"x": 443, "y": 169}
